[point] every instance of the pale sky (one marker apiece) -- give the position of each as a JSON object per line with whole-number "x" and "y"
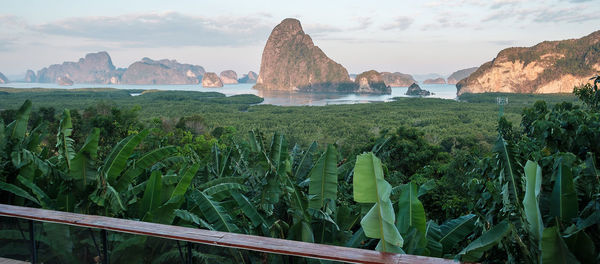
{"x": 416, "y": 37}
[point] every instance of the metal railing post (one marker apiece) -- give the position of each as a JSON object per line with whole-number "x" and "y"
{"x": 105, "y": 259}
{"x": 32, "y": 242}
{"x": 189, "y": 253}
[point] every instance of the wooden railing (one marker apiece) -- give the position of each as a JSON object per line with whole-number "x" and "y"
{"x": 213, "y": 238}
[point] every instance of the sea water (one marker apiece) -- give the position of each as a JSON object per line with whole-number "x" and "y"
{"x": 444, "y": 91}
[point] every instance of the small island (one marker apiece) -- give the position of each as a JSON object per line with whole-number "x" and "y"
{"x": 415, "y": 90}
{"x": 211, "y": 80}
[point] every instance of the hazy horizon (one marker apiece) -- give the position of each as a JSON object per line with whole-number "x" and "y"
{"x": 416, "y": 38}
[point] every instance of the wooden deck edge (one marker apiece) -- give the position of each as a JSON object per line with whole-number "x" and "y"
{"x": 216, "y": 238}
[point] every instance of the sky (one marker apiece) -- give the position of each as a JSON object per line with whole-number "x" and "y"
{"x": 416, "y": 37}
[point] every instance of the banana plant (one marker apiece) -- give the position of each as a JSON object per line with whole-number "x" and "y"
{"x": 370, "y": 187}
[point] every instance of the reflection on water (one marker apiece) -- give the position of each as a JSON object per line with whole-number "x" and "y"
{"x": 271, "y": 97}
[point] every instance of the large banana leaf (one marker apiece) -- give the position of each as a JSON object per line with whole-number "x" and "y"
{"x": 192, "y": 218}
{"x": 215, "y": 182}
{"x": 18, "y": 128}
{"x": 37, "y": 191}
{"x": 117, "y": 159}
{"x": 164, "y": 213}
{"x": 582, "y": 246}
{"x": 303, "y": 165}
{"x": 434, "y": 235}
{"x": 410, "y": 210}
{"x": 35, "y": 137}
{"x": 411, "y": 214}
{"x": 554, "y": 249}
{"x": 368, "y": 176}
{"x": 301, "y": 231}
{"x": 563, "y": 201}
{"x": 142, "y": 164}
{"x": 152, "y": 194}
{"x": 278, "y": 155}
{"x": 533, "y": 184}
{"x": 254, "y": 141}
{"x": 249, "y": 210}
{"x": 64, "y": 143}
{"x": 508, "y": 170}
{"x": 474, "y": 251}
{"x": 18, "y": 191}
{"x": 224, "y": 187}
{"x": 83, "y": 163}
{"x": 323, "y": 180}
{"x": 213, "y": 212}
{"x": 371, "y": 187}
{"x": 455, "y": 230}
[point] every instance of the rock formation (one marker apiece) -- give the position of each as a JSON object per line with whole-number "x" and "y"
{"x": 210, "y": 79}
{"x": 3, "y": 78}
{"x": 94, "y": 68}
{"x": 415, "y": 90}
{"x": 148, "y": 71}
{"x": 291, "y": 62}
{"x": 249, "y": 78}
{"x": 548, "y": 67}
{"x": 64, "y": 81}
{"x": 397, "y": 79}
{"x": 435, "y": 81}
{"x": 228, "y": 77}
{"x": 371, "y": 82}
{"x": 456, "y": 76}
{"x": 30, "y": 76}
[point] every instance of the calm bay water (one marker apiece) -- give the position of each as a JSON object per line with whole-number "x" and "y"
{"x": 276, "y": 98}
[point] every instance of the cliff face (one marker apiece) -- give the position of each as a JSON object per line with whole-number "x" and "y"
{"x": 210, "y": 79}
{"x": 371, "y": 82}
{"x": 3, "y": 78}
{"x": 249, "y": 78}
{"x": 548, "y": 67}
{"x": 94, "y": 68}
{"x": 460, "y": 74}
{"x": 435, "y": 81}
{"x": 291, "y": 62}
{"x": 397, "y": 79}
{"x": 30, "y": 76}
{"x": 229, "y": 77}
{"x": 148, "y": 71}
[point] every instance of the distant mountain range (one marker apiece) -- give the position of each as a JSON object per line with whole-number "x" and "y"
{"x": 292, "y": 62}
{"x": 97, "y": 68}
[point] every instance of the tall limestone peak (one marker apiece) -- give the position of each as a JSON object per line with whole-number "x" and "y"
{"x": 30, "y": 76}
{"x": 291, "y": 62}
{"x": 548, "y": 67}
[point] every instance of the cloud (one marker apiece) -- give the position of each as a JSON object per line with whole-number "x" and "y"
{"x": 454, "y": 3}
{"x": 444, "y": 21}
{"x": 502, "y": 42}
{"x": 320, "y": 29}
{"x": 400, "y": 23}
{"x": 569, "y": 15}
{"x": 502, "y": 3}
{"x": 363, "y": 23}
{"x": 544, "y": 15}
{"x": 170, "y": 29}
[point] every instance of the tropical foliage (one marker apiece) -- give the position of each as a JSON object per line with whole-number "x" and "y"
{"x": 532, "y": 196}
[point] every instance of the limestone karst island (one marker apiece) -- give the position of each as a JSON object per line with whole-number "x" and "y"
{"x": 300, "y": 132}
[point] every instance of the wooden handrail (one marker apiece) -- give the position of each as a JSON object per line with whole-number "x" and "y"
{"x": 215, "y": 238}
